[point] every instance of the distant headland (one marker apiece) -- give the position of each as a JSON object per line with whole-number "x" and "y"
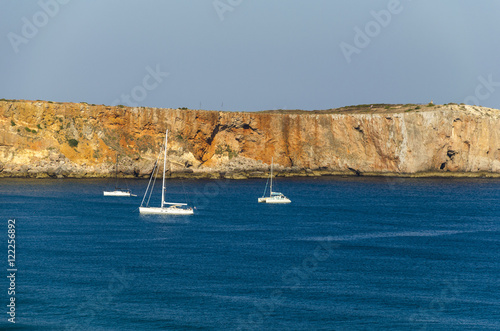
{"x": 44, "y": 139}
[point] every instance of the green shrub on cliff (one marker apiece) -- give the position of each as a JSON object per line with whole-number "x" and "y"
{"x": 221, "y": 149}
{"x": 73, "y": 142}
{"x": 232, "y": 154}
{"x": 29, "y": 130}
{"x": 12, "y": 123}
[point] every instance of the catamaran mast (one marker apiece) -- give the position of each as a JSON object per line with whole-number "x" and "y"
{"x": 116, "y": 172}
{"x": 164, "y": 166}
{"x": 271, "y": 189}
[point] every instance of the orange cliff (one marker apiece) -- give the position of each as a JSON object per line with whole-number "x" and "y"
{"x": 50, "y": 139}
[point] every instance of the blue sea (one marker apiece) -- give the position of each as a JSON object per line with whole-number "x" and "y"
{"x": 347, "y": 254}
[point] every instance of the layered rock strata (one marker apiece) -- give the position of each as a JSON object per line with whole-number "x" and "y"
{"x": 48, "y": 139}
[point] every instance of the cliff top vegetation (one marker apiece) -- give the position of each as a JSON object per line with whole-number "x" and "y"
{"x": 354, "y": 109}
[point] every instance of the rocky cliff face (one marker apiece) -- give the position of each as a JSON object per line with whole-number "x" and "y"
{"x": 45, "y": 139}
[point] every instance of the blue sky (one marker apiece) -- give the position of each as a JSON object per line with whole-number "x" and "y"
{"x": 250, "y": 55}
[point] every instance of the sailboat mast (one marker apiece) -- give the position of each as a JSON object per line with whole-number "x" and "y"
{"x": 271, "y": 189}
{"x": 164, "y": 166}
{"x": 116, "y": 172}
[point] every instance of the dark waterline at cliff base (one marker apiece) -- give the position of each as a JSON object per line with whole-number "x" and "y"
{"x": 346, "y": 254}
{"x": 205, "y": 175}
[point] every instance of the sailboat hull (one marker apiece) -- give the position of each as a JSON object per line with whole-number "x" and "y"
{"x": 118, "y": 194}
{"x": 274, "y": 200}
{"x": 165, "y": 211}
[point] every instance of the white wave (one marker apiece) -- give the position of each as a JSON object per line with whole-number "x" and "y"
{"x": 425, "y": 233}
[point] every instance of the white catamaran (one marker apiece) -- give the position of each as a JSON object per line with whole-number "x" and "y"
{"x": 166, "y": 208}
{"x": 274, "y": 197}
{"x": 118, "y": 192}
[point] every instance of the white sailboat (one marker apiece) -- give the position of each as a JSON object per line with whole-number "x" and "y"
{"x": 274, "y": 197}
{"x": 166, "y": 208}
{"x": 118, "y": 192}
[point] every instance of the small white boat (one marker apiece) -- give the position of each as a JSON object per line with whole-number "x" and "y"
{"x": 166, "y": 208}
{"x": 274, "y": 197}
{"x": 118, "y": 192}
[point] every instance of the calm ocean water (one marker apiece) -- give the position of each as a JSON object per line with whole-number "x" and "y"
{"x": 347, "y": 254}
